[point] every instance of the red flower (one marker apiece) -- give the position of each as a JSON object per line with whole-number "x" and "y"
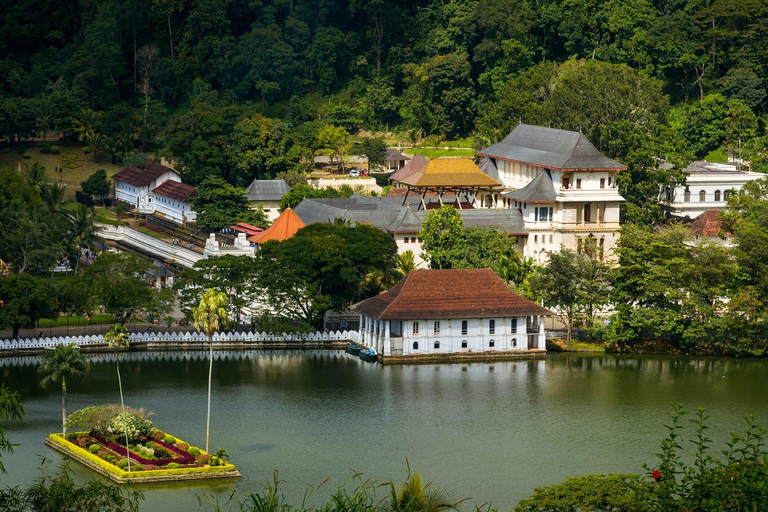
{"x": 656, "y": 475}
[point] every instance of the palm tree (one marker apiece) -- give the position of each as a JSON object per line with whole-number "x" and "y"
{"x": 58, "y": 364}
{"x": 415, "y": 495}
{"x": 209, "y": 316}
{"x": 54, "y": 197}
{"x": 117, "y": 337}
{"x": 406, "y": 263}
{"x": 36, "y": 175}
{"x": 82, "y": 228}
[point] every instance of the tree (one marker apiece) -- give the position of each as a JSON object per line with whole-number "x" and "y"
{"x": 23, "y": 301}
{"x": 405, "y": 263}
{"x": 741, "y": 125}
{"x": 302, "y": 191}
{"x": 259, "y": 149}
{"x": 440, "y": 231}
{"x": 334, "y": 142}
{"x": 575, "y": 284}
{"x": 415, "y": 494}
{"x": 221, "y": 205}
{"x": 36, "y": 175}
{"x": 82, "y": 229}
{"x": 375, "y": 148}
{"x": 117, "y": 337}
{"x": 11, "y": 411}
{"x": 58, "y": 364}
{"x": 209, "y": 316}
{"x": 97, "y": 185}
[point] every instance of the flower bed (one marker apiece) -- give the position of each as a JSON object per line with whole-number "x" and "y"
{"x": 183, "y": 458}
{"x": 148, "y": 470}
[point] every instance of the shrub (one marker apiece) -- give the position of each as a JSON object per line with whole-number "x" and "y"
{"x": 86, "y": 151}
{"x": 203, "y": 459}
{"x": 194, "y": 451}
{"x": 110, "y": 458}
{"x": 122, "y": 464}
{"x": 55, "y": 149}
{"x": 215, "y": 461}
{"x": 157, "y": 434}
{"x": 169, "y": 439}
{"x": 94, "y": 448}
{"x": 182, "y": 446}
{"x": 137, "y": 427}
{"x": 26, "y": 156}
{"x": 172, "y": 465}
{"x": 83, "y": 442}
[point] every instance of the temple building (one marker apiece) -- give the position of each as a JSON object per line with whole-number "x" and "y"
{"x": 268, "y": 194}
{"x": 563, "y": 187}
{"x": 451, "y": 313}
{"x": 135, "y": 185}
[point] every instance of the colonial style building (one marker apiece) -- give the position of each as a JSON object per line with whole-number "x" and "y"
{"x": 173, "y": 200}
{"x": 563, "y": 187}
{"x": 707, "y": 228}
{"x": 393, "y": 159}
{"x": 268, "y": 194}
{"x": 448, "y": 313}
{"x": 134, "y": 185}
{"x": 707, "y": 187}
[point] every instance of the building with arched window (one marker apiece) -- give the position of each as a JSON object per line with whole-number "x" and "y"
{"x": 451, "y": 313}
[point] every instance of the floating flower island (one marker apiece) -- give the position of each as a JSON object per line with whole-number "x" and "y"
{"x": 155, "y": 457}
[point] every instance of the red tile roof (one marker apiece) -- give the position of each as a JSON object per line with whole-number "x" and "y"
{"x": 175, "y": 190}
{"x": 284, "y": 227}
{"x": 414, "y": 165}
{"x": 435, "y": 294}
{"x": 143, "y": 175}
{"x": 248, "y": 229}
{"x": 707, "y": 224}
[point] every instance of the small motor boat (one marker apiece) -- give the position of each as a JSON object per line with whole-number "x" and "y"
{"x": 353, "y": 349}
{"x": 369, "y": 355}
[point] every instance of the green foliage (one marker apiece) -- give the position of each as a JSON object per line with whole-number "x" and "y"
{"x": 440, "y": 231}
{"x": 11, "y": 411}
{"x": 375, "y": 148}
{"x": 135, "y": 426}
{"x": 172, "y": 465}
{"x": 94, "y": 448}
{"x": 702, "y": 125}
{"x": 97, "y": 184}
{"x": 334, "y": 142}
{"x": 99, "y": 417}
{"x": 169, "y": 439}
{"x": 194, "y": 451}
{"x": 25, "y": 300}
{"x": 221, "y": 205}
{"x": 608, "y": 492}
{"x": 135, "y": 160}
{"x": 302, "y": 191}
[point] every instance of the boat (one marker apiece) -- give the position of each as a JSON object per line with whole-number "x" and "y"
{"x": 369, "y": 355}
{"x": 354, "y": 349}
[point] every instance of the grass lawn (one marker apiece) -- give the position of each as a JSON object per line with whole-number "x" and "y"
{"x": 72, "y": 177}
{"x": 77, "y": 320}
{"x": 149, "y": 232}
{"x": 106, "y": 216}
{"x": 437, "y": 153}
{"x": 469, "y": 142}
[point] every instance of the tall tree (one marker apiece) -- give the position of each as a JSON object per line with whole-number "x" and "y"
{"x": 58, "y": 364}
{"x": 210, "y": 316}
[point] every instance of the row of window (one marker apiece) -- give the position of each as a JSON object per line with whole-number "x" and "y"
{"x": 465, "y": 327}
{"x": 543, "y": 239}
{"x": 491, "y": 344}
{"x": 412, "y": 240}
{"x": 543, "y": 213}
{"x": 703, "y": 196}
{"x": 566, "y": 183}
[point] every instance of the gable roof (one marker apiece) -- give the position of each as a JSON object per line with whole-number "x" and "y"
{"x": 488, "y": 166}
{"x": 284, "y": 227}
{"x": 248, "y": 229}
{"x": 450, "y": 172}
{"x": 436, "y": 294}
{"x": 394, "y": 155}
{"x": 142, "y": 175}
{"x": 412, "y": 166}
{"x": 267, "y": 190}
{"x": 551, "y": 148}
{"x": 707, "y": 224}
{"x": 175, "y": 190}
{"x": 539, "y": 190}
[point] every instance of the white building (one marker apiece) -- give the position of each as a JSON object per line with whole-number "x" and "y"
{"x": 268, "y": 194}
{"x": 134, "y": 185}
{"x": 563, "y": 187}
{"x": 707, "y": 187}
{"x": 173, "y": 200}
{"x": 451, "y": 312}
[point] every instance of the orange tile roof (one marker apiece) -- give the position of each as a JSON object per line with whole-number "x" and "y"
{"x": 707, "y": 224}
{"x": 450, "y": 172}
{"x": 284, "y": 227}
{"x": 435, "y": 294}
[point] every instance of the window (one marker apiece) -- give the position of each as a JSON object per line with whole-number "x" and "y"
{"x": 609, "y": 181}
{"x": 464, "y": 344}
{"x": 551, "y": 211}
{"x": 587, "y": 212}
{"x": 535, "y": 214}
{"x": 717, "y": 195}
{"x": 702, "y": 196}
{"x": 513, "y": 326}
{"x": 415, "y": 345}
{"x": 566, "y": 183}
{"x": 492, "y": 327}
{"x": 437, "y": 344}
{"x": 535, "y": 239}
{"x": 543, "y": 214}
{"x": 464, "y": 327}
{"x": 492, "y": 343}
{"x": 551, "y": 238}
{"x": 415, "y": 327}
{"x": 514, "y": 342}
{"x": 726, "y": 194}
{"x": 602, "y": 182}
{"x": 687, "y": 196}
{"x": 437, "y": 327}
{"x": 578, "y": 183}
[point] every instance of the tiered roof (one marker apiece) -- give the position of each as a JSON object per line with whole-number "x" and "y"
{"x": 438, "y": 294}
{"x": 450, "y": 172}
{"x": 284, "y": 227}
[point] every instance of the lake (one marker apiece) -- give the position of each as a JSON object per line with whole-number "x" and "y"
{"x": 492, "y": 431}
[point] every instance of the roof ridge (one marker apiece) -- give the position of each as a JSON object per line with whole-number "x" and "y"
{"x": 404, "y": 279}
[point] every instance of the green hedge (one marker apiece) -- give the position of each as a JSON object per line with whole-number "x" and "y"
{"x": 85, "y": 454}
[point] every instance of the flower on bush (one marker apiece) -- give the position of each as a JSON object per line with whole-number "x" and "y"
{"x": 136, "y": 426}
{"x": 656, "y": 475}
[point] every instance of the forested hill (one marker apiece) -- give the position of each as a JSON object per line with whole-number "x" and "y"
{"x": 622, "y": 71}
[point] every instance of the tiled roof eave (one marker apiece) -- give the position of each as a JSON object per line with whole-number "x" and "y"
{"x": 554, "y": 168}
{"x": 463, "y": 314}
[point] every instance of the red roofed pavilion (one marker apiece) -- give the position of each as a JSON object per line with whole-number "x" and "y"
{"x": 451, "y": 312}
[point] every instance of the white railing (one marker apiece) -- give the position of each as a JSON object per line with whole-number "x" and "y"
{"x": 150, "y": 244}
{"x": 223, "y": 338}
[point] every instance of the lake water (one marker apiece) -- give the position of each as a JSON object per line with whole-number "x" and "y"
{"x": 493, "y": 431}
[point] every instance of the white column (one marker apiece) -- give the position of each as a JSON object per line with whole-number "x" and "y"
{"x": 386, "y": 346}
{"x": 542, "y": 335}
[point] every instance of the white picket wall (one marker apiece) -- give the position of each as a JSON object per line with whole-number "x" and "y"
{"x": 223, "y": 338}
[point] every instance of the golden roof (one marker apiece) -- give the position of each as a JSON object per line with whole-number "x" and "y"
{"x": 450, "y": 172}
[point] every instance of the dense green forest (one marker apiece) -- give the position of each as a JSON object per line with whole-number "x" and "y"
{"x": 241, "y": 89}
